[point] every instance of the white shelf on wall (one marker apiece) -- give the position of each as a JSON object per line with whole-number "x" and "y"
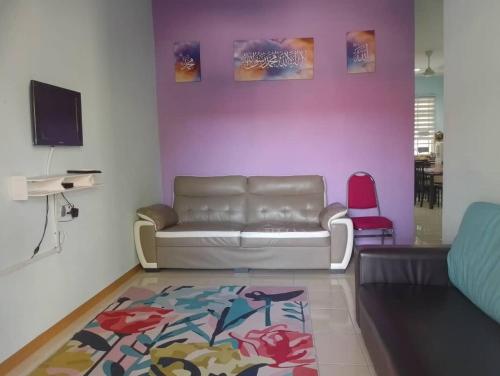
{"x": 22, "y": 187}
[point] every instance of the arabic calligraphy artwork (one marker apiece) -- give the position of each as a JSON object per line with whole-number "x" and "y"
{"x": 274, "y": 59}
{"x": 361, "y": 51}
{"x": 187, "y": 61}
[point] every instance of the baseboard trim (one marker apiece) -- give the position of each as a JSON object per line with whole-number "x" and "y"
{"x": 15, "y": 359}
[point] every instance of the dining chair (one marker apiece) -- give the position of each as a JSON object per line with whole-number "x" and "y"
{"x": 362, "y": 196}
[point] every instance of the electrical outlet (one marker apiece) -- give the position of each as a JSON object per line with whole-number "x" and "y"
{"x": 65, "y": 210}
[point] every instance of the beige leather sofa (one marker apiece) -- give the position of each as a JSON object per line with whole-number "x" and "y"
{"x": 232, "y": 222}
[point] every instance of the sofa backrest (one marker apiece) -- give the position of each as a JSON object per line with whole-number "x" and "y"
{"x": 295, "y": 199}
{"x": 257, "y": 199}
{"x": 474, "y": 259}
{"x": 210, "y": 199}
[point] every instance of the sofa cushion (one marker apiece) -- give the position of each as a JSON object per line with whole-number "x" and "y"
{"x": 210, "y": 199}
{"x": 286, "y": 185}
{"x": 284, "y": 235}
{"x": 200, "y": 235}
{"x": 210, "y": 209}
{"x": 474, "y": 259}
{"x": 296, "y": 199}
{"x": 427, "y": 330}
{"x": 210, "y": 186}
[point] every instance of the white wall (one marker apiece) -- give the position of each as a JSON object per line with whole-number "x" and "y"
{"x": 472, "y": 112}
{"x": 104, "y": 49}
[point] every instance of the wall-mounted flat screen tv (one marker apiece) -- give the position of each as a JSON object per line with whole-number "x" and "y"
{"x": 56, "y": 115}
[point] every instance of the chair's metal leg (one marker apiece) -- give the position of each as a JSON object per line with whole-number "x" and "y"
{"x": 383, "y": 237}
{"x": 393, "y": 237}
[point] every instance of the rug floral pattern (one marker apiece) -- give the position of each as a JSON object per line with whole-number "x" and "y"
{"x": 194, "y": 331}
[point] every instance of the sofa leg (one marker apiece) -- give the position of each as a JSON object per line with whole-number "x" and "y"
{"x": 337, "y": 271}
{"x": 241, "y": 270}
{"x": 151, "y": 270}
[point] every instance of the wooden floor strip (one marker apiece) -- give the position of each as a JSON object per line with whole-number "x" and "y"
{"x": 15, "y": 359}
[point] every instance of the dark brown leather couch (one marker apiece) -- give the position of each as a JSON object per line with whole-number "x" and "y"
{"x": 414, "y": 322}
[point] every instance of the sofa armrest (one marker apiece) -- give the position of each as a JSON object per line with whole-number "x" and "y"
{"x": 330, "y": 213}
{"x": 333, "y": 219}
{"x": 403, "y": 265}
{"x": 341, "y": 243}
{"x": 145, "y": 244}
{"x": 162, "y": 216}
{"x": 408, "y": 265}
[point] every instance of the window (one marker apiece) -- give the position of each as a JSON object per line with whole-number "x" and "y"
{"x": 425, "y": 123}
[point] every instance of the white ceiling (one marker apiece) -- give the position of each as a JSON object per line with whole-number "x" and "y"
{"x": 429, "y": 34}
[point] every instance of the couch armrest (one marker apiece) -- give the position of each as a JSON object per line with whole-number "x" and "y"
{"x": 162, "y": 216}
{"x": 145, "y": 243}
{"x": 333, "y": 218}
{"x": 331, "y": 213}
{"x": 403, "y": 265}
{"x": 409, "y": 265}
{"x": 341, "y": 243}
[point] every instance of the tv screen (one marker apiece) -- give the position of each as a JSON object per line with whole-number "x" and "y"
{"x": 56, "y": 115}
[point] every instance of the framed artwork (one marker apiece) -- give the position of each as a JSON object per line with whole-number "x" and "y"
{"x": 361, "y": 51}
{"x": 274, "y": 59}
{"x": 187, "y": 61}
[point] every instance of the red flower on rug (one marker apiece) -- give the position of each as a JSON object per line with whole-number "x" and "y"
{"x": 287, "y": 348}
{"x": 131, "y": 320}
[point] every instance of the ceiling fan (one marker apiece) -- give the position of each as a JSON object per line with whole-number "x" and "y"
{"x": 429, "y": 71}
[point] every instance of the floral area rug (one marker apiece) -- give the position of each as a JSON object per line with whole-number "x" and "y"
{"x": 194, "y": 331}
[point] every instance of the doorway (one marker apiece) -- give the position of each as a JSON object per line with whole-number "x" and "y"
{"x": 429, "y": 121}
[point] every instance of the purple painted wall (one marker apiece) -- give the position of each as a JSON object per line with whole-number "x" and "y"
{"x": 332, "y": 125}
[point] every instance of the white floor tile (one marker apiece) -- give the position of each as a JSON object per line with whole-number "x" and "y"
{"x": 364, "y": 350}
{"x": 271, "y": 273}
{"x": 428, "y": 225}
{"x": 339, "y": 348}
{"x": 343, "y": 370}
{"x": 328, "y": 299}
{"x": 204, "y": 278}
{"x": 331, "y": 320}
{"x": 272, "y": 281}
{"x": 315, "y": 283}
{"x": 315, "y": 274}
